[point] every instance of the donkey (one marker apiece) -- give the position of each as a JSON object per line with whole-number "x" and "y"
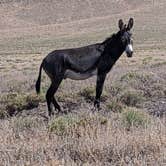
{"x": 84, "y": 62}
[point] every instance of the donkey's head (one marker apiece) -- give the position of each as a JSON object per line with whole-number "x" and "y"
{"x": 125, "y": 36}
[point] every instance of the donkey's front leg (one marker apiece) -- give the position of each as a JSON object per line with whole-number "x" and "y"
{"x": 99, "y": 88}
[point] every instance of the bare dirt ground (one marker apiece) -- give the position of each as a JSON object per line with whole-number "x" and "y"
{"x": 130, "y": 128}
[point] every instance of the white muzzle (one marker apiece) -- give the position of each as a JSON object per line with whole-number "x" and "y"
{"x": 129, "y": 50}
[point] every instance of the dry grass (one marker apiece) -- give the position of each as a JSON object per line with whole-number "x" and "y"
{"x": 13, "y": 103}
{"x": 87, "y": 138}
{"x": 125, "y": 131}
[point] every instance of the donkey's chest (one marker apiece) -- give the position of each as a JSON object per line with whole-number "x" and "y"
{"x": 79, "y": 76}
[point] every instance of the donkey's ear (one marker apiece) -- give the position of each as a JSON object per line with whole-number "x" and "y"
{"x": 130, "y": 24}
{"x": 121, "y": 24}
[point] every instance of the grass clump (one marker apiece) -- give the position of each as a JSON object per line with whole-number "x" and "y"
{"x": 132, "y": 98}
{"x": 133, "y": 117}
{"x": 136, "y": 77}
{"x": 129, "y": 76}
{"x": 115, "y": 106}
{"x": 63, "y": 97}
{"x": 3, "y": 114}
{"x": 116, "y": 89}
{"x": 61, "y": 124}
{"x": 147, "y": 60}
{"x": 15, "y": 102}
{"x": 75, "y": 124}
{"x": 89, "y": 93}
{"x": 90, "y": 120}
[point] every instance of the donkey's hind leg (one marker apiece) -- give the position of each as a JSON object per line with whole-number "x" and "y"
{"x": 49, "y": 98}
{"x": 50, "y": 95}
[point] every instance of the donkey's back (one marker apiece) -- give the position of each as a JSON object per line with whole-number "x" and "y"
{"x": 76, "y": 59}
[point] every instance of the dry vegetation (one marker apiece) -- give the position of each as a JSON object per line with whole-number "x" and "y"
{"x": 131, "y": 127}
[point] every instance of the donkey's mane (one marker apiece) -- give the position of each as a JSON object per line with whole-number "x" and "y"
{"x": 109, "y": 40}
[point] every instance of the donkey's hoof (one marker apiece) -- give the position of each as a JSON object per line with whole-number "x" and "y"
{"x": 97, "y": 104}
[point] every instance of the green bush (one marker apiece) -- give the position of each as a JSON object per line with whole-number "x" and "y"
{"x": 135, "y": 117}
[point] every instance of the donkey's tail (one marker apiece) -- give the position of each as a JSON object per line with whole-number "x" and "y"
{"x": 39, "y": 79}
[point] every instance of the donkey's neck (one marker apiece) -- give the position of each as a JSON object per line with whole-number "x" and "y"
{"x": 109, "y": 58}
{"x": 114, "y": 52}
{"x": 113, "y": 48}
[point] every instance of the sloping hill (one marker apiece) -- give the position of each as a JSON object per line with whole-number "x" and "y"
{"x": 21, "y": 13}
{"x": 20, "y": 18}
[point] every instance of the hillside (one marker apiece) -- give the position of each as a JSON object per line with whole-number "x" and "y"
{"x": 23, "y": 13}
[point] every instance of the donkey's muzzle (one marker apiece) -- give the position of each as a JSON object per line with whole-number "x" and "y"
{"x": 129, "y": 50}
{"x": 129, "y": 54}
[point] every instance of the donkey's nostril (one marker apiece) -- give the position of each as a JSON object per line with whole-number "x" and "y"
{"x": 129, "y": 54}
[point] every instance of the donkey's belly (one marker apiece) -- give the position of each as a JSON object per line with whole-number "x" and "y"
{"x": 79, "y": 76}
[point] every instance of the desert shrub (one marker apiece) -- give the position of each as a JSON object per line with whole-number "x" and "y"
{"x": 156, "y": 89}
{"x": 91, "y": 120}
{"x": 115, "y": 106}
{"x": 74, "y": 124}
{"x": 61, "y": 124}
{"x": 89, "y": 93}
{"x": 15, "y": 102}
{"x": 135, "y": 77}
{"x": 132, "y": 98}
{"x": 129, "y": 76}
{"x": 148, "y": 84}
{"x": 63, "y": 97}
{"x": 134, "y": 117}
{"x": 3, "y": 114}
{"x": 116, "y": 89}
